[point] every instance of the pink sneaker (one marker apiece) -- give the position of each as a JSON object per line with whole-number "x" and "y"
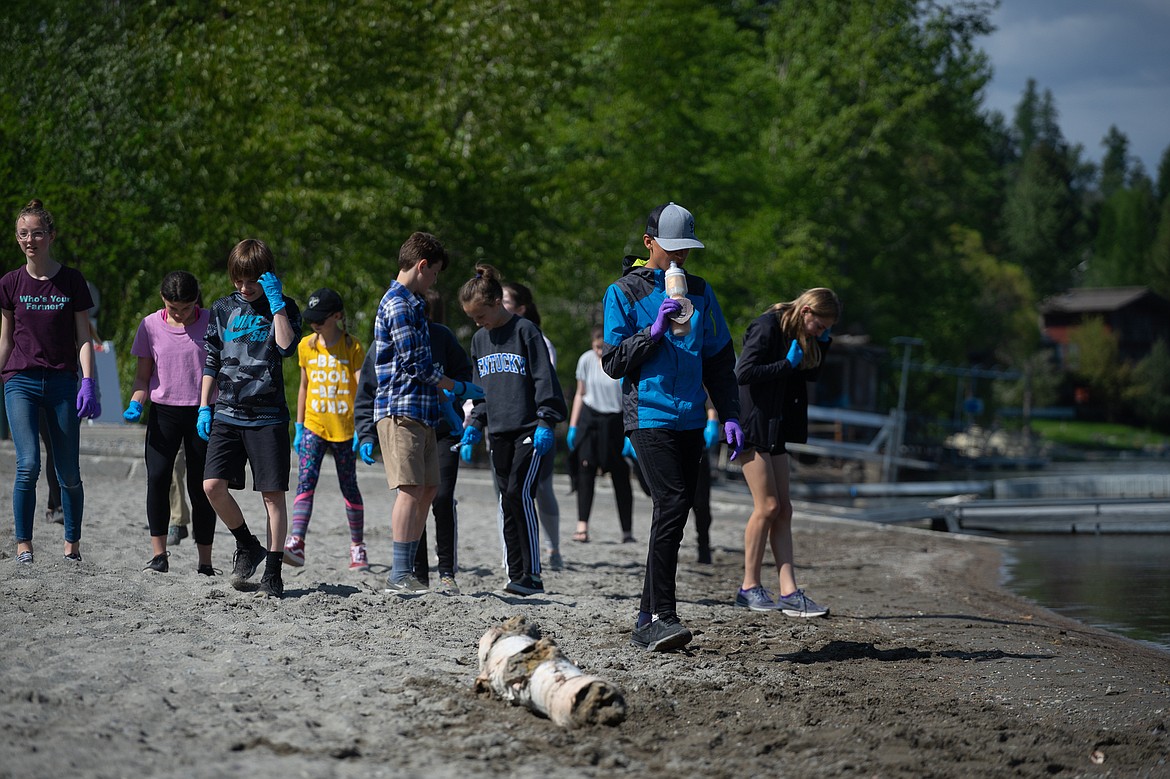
{"x": 294, "y": 551}
{"x": 357, "y": 558}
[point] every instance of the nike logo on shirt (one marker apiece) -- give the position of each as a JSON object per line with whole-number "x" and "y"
{"x": 244, "y": 326}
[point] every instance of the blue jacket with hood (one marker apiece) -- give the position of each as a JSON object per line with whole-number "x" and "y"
{"x": 665, "y": 384}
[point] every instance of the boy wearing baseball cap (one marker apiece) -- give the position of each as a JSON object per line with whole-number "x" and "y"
{"x": 666, "y": 379}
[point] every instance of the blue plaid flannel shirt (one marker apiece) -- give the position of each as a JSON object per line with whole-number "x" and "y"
{"x": 407, "y": 374}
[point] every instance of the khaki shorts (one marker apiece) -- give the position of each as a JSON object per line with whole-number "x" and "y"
{"x": 409, "y": 452}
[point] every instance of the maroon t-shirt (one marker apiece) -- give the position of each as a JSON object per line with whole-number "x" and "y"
{"x": 44, "y": 333}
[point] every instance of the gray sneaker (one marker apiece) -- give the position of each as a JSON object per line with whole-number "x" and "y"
{"x": 661, "y": 635}
{"x": 246, "y": 561}
{"x": 555, "y": 561}
{"x": 799, "y": 605}
{"x": 175, "y": 534}
{"x": 408, "y": 586}
{"x": 756, "y": 599}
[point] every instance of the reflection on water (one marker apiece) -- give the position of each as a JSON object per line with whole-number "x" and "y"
{"x": 1117, "y": 582}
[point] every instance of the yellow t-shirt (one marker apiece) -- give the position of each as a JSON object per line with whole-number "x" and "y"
{"x": 332, "y": 386}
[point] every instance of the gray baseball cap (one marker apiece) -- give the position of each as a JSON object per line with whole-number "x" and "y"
{"x": 673, "y": 227}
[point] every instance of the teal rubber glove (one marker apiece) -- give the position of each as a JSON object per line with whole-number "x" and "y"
{"x": 465, "y": 390}
{"x": 571, "y": 439}
{"x": 542, "y": 441}
{"x": 366, "y": 452}
{"x": 133, "y": 412}
{"x": 355, "y": 441}
{"x": 825, "y": 336}
{"x": 273, "y": 290}
{"x": 471, "y": 437}
{"x": 297, "y": 437}
{"x": 710, "y": 433}
{"x": 203, "y": 423}
{"x": 628, "y": 449}
{"x": 795, "y": 354}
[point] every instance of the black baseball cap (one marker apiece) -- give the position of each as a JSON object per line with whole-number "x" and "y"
{"x": 322, "y": 304}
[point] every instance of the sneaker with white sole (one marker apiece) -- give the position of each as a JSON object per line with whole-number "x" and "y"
{"x": 158, "y": 563}
{"x": 294, "y": 551}
{"x": 357, "y": 557}
{"x": 271, "y": 585}
{"x": 525, "y": 585}
{"x": 755, "y": 598}
{"x": 175, "y": 534}
{"x": 799, "y": 605}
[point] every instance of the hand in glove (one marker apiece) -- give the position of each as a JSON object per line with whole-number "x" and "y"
{"x": 471, "y": 437}
{"x": 669, "y": 308}
{"x": 273, "y": 290}
{"x": 465, "y": 390}
{"x": 542, "y": 441}
{"x": 203, "y": 423}
{"x": 734, "y": 434}
{"x": 710, "y": 434}
{"x": 366, "y": 452}
{"x": 300, "y": 433}
{"x": 571, "y": 439}
{"x": 795, "y": 354}
{"x": 628, "y": 449}
{"x": 133, "y": 412}
{"x": 87, "y": 401}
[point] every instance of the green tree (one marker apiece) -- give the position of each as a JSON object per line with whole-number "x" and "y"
{"x": 1095, "y": 359}
{"x": 1149, "y": 394}
{"x": 1125, "y": 235}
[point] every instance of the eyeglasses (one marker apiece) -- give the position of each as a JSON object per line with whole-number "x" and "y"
{"x": 35, "y": 235}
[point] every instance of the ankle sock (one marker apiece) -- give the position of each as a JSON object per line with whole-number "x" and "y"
{"x": 644, "y": 618}
{"x": 403, "y": 561}
{"x": 242, "y": 535}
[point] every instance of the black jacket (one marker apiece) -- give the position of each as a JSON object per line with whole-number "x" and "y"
{"x": 773, "y": 395}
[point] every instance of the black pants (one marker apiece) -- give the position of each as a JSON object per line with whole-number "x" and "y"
{"x": 619, "y": 474}
{"x": 168, "y": 428}
{"x": 517, "y": 470}
{"x": 600, "y": 447}
{"x": 703, "y": 502}
{"x": 670, "y": 464}
{"x": 446, "y": 517}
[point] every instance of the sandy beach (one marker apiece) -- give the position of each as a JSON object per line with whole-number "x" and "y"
{"x": 925, "y": 667}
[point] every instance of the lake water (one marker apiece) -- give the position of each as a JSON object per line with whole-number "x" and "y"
{"x": 1117, "y": 582}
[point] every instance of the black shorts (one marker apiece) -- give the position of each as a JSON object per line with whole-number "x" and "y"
{"x": 266, "y": 449}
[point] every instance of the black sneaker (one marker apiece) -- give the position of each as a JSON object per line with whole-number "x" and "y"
{"x": 271, "y": 586}
{"x": 704, "y": 555}
{"x": 526, "y": 585}
{"x": 158, "y": 563}
{"x": 206, "y": 570}
{"x": 661, "y": 635}
{"x": 246, "y": 561}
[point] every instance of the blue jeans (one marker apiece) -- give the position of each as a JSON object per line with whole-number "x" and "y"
{"x": 25, "y": 395}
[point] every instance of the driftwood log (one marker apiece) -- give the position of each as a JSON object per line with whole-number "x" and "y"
{"x": 519, "y": 665}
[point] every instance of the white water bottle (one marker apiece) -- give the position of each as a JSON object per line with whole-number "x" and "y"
{"x": 676, "y": 288}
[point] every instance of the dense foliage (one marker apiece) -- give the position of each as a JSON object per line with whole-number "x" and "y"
{"x": 834, "y": 143}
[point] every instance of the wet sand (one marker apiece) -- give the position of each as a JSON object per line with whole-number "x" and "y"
{"x": 926, "y": 667}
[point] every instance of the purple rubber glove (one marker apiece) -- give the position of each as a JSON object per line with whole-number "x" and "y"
{"x": 669, "y": 308}
{"x": 88, "y": 406}
{"x": 734, "y": 434}
{"x": 542, "y": 441}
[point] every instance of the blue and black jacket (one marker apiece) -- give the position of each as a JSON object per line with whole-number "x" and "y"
{"x": 666, "y": 384}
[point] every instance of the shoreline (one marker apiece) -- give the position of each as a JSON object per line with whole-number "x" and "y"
{"x": 927, "y": 665}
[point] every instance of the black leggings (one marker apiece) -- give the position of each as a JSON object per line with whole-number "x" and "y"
{"x": 168, "y": 428}
{"x": 619, "y": 473}
{"x": 446, "y": 518}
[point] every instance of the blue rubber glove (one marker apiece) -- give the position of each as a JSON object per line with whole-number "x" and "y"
{"x": 571, "y": 439}
{"x": 203, "y": 423}
{"x": 298, "y": 436}
{"x": 711, "y": 433}
{"x": 471, "y": 437}
{"x": 87, "y": 401}
{"x": 669, "y": 308}
{"x": 273, "y": 290}
{"x": 356, "y": 443}
{"x": 795, "y": 354}
{"x": 825, "y": 336}
{"x": 366, "y": 452}
{"x": 542, "y": 441}
{"x": 447, "y": 408}
{"x": 465, "y": 390}
{"x": 133, "y": 412}
{"x": 628, "y": 449}
{"x": 734, "y": 435}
